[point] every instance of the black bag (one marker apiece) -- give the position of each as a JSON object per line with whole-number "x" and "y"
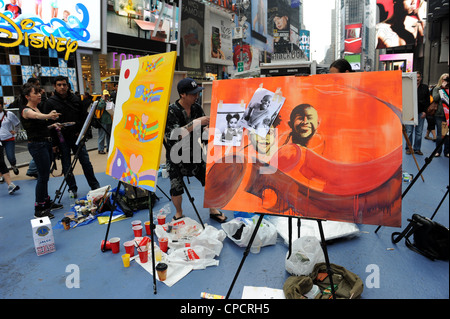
{"x": 135, "y": 198}
{"x": 430, "y": 238}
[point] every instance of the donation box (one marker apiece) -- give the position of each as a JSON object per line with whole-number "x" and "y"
{"x": 43, "y": 236}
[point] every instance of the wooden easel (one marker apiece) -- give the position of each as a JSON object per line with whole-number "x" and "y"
{"x": 410, "y": 147}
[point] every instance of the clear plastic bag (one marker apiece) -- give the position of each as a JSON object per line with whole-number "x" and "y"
{"x": 306, "y": 252}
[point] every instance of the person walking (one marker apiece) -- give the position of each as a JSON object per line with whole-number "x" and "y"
{"x": 9, "y": 126}
{"x": 104, "y": 132}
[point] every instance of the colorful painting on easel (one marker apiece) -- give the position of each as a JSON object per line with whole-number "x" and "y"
{"x": 334, "y": 150}
{"x": 140, "y": 119}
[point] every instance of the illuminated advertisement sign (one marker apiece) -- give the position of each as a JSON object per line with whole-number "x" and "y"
{"x": 61, "y": 25}
{"x": 353, "y": 39}
{"x": 401, "y": 23}
{"x": 399, "y": 61}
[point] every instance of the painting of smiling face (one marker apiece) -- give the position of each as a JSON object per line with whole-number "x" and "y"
{"x": 305, "y": 122}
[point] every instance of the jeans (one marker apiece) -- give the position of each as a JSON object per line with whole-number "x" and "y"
{"x": 32, "y": 169}
{"x": 439, "y": 121}
{"x": 418, "y": 130}
{"x": 102, "y": 136}
{"x": 10, "y": 150}
{"x": 83, "y": 157}
{"x": 42, "y": 154}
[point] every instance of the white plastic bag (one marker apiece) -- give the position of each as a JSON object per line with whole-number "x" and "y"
{"x": 198, "y": 257}
{"x": 306, "y": 252}
{"x": 240, "y": 230}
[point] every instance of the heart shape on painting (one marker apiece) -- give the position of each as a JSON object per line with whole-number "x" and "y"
{"x": 144, "y": 118}
{"x": 136, "y": 162}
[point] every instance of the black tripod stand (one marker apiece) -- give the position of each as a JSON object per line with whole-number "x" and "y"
{"x": 152, "y": 229}
{"x": 191, "y": 199}
{"x": 427, "y": 162}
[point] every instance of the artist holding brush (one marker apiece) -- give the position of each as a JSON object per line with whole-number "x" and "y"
{"x": 40, "y": 146}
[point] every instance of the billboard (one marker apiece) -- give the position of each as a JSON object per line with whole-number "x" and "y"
{"x": 73, "y": 20}
{"x": 353, "y": 38}
{"x": 304, "y": 166}
{"x": 401, "y": 23}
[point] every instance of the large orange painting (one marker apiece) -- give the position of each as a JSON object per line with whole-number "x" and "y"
{"x": 333, "y": 150}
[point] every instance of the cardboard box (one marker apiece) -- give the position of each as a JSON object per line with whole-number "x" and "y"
{"x": 43, "y": 236}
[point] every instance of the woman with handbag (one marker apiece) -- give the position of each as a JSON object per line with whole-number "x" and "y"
{"x": 441, "y": 96}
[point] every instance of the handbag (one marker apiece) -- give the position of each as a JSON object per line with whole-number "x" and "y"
{"x": 431, "y": 110}
{"x": 431, "y": 239}
{"x": 444, "y": 128}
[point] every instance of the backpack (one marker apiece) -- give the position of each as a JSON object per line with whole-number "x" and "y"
{"x": 430, "y": 238}
{"x": 134, "y": 199}
{"x": 347, "y": 285}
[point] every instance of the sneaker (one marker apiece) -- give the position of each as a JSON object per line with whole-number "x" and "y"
{"x": 15, "y": 170}
{"x": 35, "y": 175}
{"x": 41, "y": 211}
{"x": 51, "y": 205}
{"x": 73, "y": 194}
{"x": 12, "y": 188}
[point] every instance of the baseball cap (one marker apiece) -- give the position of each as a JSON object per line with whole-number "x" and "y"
{"x": 188, "y": 86}
{"x": 105, "y": 92}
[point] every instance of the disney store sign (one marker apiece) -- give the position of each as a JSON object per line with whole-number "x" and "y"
{"x": 25, "y": 34}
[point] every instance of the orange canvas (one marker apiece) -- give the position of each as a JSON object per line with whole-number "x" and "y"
{"x": 334, "y": 150}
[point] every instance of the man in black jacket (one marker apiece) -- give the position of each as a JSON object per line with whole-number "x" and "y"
{"x": 423, "y": 101}
{"x": 71, "y": 110}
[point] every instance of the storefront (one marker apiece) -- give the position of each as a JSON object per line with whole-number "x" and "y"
{"x": 42, "y": 42}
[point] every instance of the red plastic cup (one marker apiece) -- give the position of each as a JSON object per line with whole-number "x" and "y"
{"x": 136, "y": 223}
{"x": 143, "y": 254}
{"x": 163, "y": 243}
{"x": 161, "y": 219}
{"x": 144, "y": 241}
{"x": 137, "y": 231}
{"x": 115, "y": 244}
{"x": 129, "y": 248}
{"x": 107, "y": 246}
{"x": 147, "y": 228}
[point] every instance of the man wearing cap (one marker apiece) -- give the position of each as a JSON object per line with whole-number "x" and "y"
{"x": 71, "y": 109}
{"x": 105, "y": 120}
{"x": 183, "y": 154}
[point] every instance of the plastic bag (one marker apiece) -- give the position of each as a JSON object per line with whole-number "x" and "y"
{"x": 198, "y": 257}
{"x": 239, "y": 230}
{"x": 306, "y": 252}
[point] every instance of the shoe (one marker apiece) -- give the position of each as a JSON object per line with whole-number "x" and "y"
{"x": 51, "y": 205}
{"x": 437, "y": 155}
{"x": 446, "y": 155}
{"x": 428, "y": 138}
{"x": 41, "y": 211}
{"x": 216, "y": 217}
{"x": 418, "y": 152}
{"x": 35, "y": 175}
{"x": 2, "y": 180}
{"x": 101, "y": 152}
{"x": 12, "y": 188}
{"x": 15, "y": 170}
{"x": 73, "y": 194}
{"x": 408, "y": 152}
